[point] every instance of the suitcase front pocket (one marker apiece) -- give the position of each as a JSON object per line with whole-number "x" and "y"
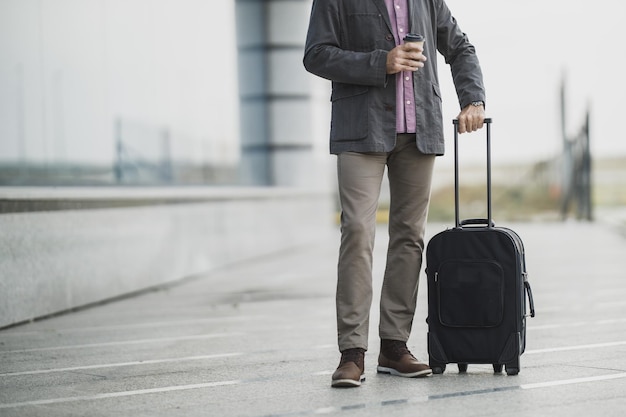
{"x": 470, "y": 293}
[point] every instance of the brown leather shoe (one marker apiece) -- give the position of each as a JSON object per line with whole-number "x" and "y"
{"x": 396, "y": 359}
{"x": 351, "y": 369}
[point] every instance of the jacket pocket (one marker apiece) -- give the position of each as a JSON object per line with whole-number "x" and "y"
{"x": 349, "y": 117}
{"x": 436, "y": 91}
{"x": 436, "y": 104}
{"x": 364, "y": 29}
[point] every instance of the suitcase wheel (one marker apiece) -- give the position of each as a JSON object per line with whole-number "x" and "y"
{"x": 462, "y": 368}
{"x": 438, "y": 369}
{"x": 497, "y": 368}
{"x": 512, "y": 371}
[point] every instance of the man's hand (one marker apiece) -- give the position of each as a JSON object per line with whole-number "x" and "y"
{"x": 405, "y": 57}
{"x": 471, "y": 118}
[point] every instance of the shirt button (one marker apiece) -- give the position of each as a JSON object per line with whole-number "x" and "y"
{"x": 407, "y": 78}
{"x": 408, "y": 102}
{"x": 401, "y": 30}
{"x": 397, "y": 7}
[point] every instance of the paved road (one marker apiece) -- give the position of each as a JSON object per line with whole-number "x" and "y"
{"x": 258, "y": 339}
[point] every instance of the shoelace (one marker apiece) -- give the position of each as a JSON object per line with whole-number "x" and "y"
{"x": 397, "y": 349}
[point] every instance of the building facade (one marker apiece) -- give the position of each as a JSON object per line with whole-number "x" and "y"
{"x": 159, "y": 92}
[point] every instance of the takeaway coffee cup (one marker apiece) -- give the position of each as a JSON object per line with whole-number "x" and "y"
{"x": 414, "y": 37}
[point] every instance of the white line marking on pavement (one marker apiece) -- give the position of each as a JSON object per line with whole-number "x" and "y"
{"x": 576, "y": 324}
{"x": 558, "y": 326}
{"x": 322, "y": 373}
{"x": 120, "y": 364}
{"x": 120, "y": 394}
{"x": 125, "y": 342}
{"x": 573, "y": 381}
{"x": 546, "y": 384}
{"x": 323, "y": 410}
{"x": 610, "y": 321}
{"x": 329, "y": 346}
{"x": 46, "y": 330}
{"x": 443, "y": 396}
{"x": 577, "y": 347}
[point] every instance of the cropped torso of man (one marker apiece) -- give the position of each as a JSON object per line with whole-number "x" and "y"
{"x": 348, "y": 42}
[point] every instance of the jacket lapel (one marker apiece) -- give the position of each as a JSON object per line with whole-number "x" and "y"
{"x": 383, "y": 11}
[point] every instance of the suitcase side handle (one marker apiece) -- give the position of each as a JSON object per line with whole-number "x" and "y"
{"x": 457, "y": 221}
{"x": 529, "y": 292}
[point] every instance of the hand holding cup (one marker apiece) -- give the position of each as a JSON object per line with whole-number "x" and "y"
{"x": 407, "y": 56}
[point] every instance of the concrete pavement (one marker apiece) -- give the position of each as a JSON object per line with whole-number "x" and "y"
{"x": 258, "y": 339}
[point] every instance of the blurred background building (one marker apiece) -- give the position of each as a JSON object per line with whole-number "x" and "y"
{"x": 102, "y": 92}
{"x": 145, "y": 142}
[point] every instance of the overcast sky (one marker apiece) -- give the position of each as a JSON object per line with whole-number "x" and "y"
{"x": 525, "y": 48}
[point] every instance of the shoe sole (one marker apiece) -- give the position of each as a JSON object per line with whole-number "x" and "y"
{"x": 347, "y": 383}
{"x": 391, "y": 371}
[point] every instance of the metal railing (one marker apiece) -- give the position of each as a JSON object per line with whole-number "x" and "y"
{"x": 157, "y": 155}
{"x": 142, "y": 154}
{"x": 576, "y": 184}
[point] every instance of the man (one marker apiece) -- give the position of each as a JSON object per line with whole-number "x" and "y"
{"x": 386, "y": 112}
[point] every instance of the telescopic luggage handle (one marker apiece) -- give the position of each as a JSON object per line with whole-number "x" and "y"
{"x": 489, "y": 220}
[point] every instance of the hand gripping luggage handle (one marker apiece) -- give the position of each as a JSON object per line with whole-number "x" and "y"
{"x": 489, "y": 220}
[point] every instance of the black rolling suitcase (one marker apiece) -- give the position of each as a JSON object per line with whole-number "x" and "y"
{"x": 477, "y": 287}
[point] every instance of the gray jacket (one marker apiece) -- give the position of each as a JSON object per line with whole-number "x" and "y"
{"x": 347, "y": 43}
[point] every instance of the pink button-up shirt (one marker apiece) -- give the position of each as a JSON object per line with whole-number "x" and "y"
{"x": 405, "y": 107}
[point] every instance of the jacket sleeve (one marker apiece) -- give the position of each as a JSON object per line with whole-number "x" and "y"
{"x": 329, "y": 54}
{"x": 460, "y": 54}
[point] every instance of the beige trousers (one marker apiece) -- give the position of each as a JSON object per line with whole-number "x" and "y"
{"x": 360, "y": 177}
